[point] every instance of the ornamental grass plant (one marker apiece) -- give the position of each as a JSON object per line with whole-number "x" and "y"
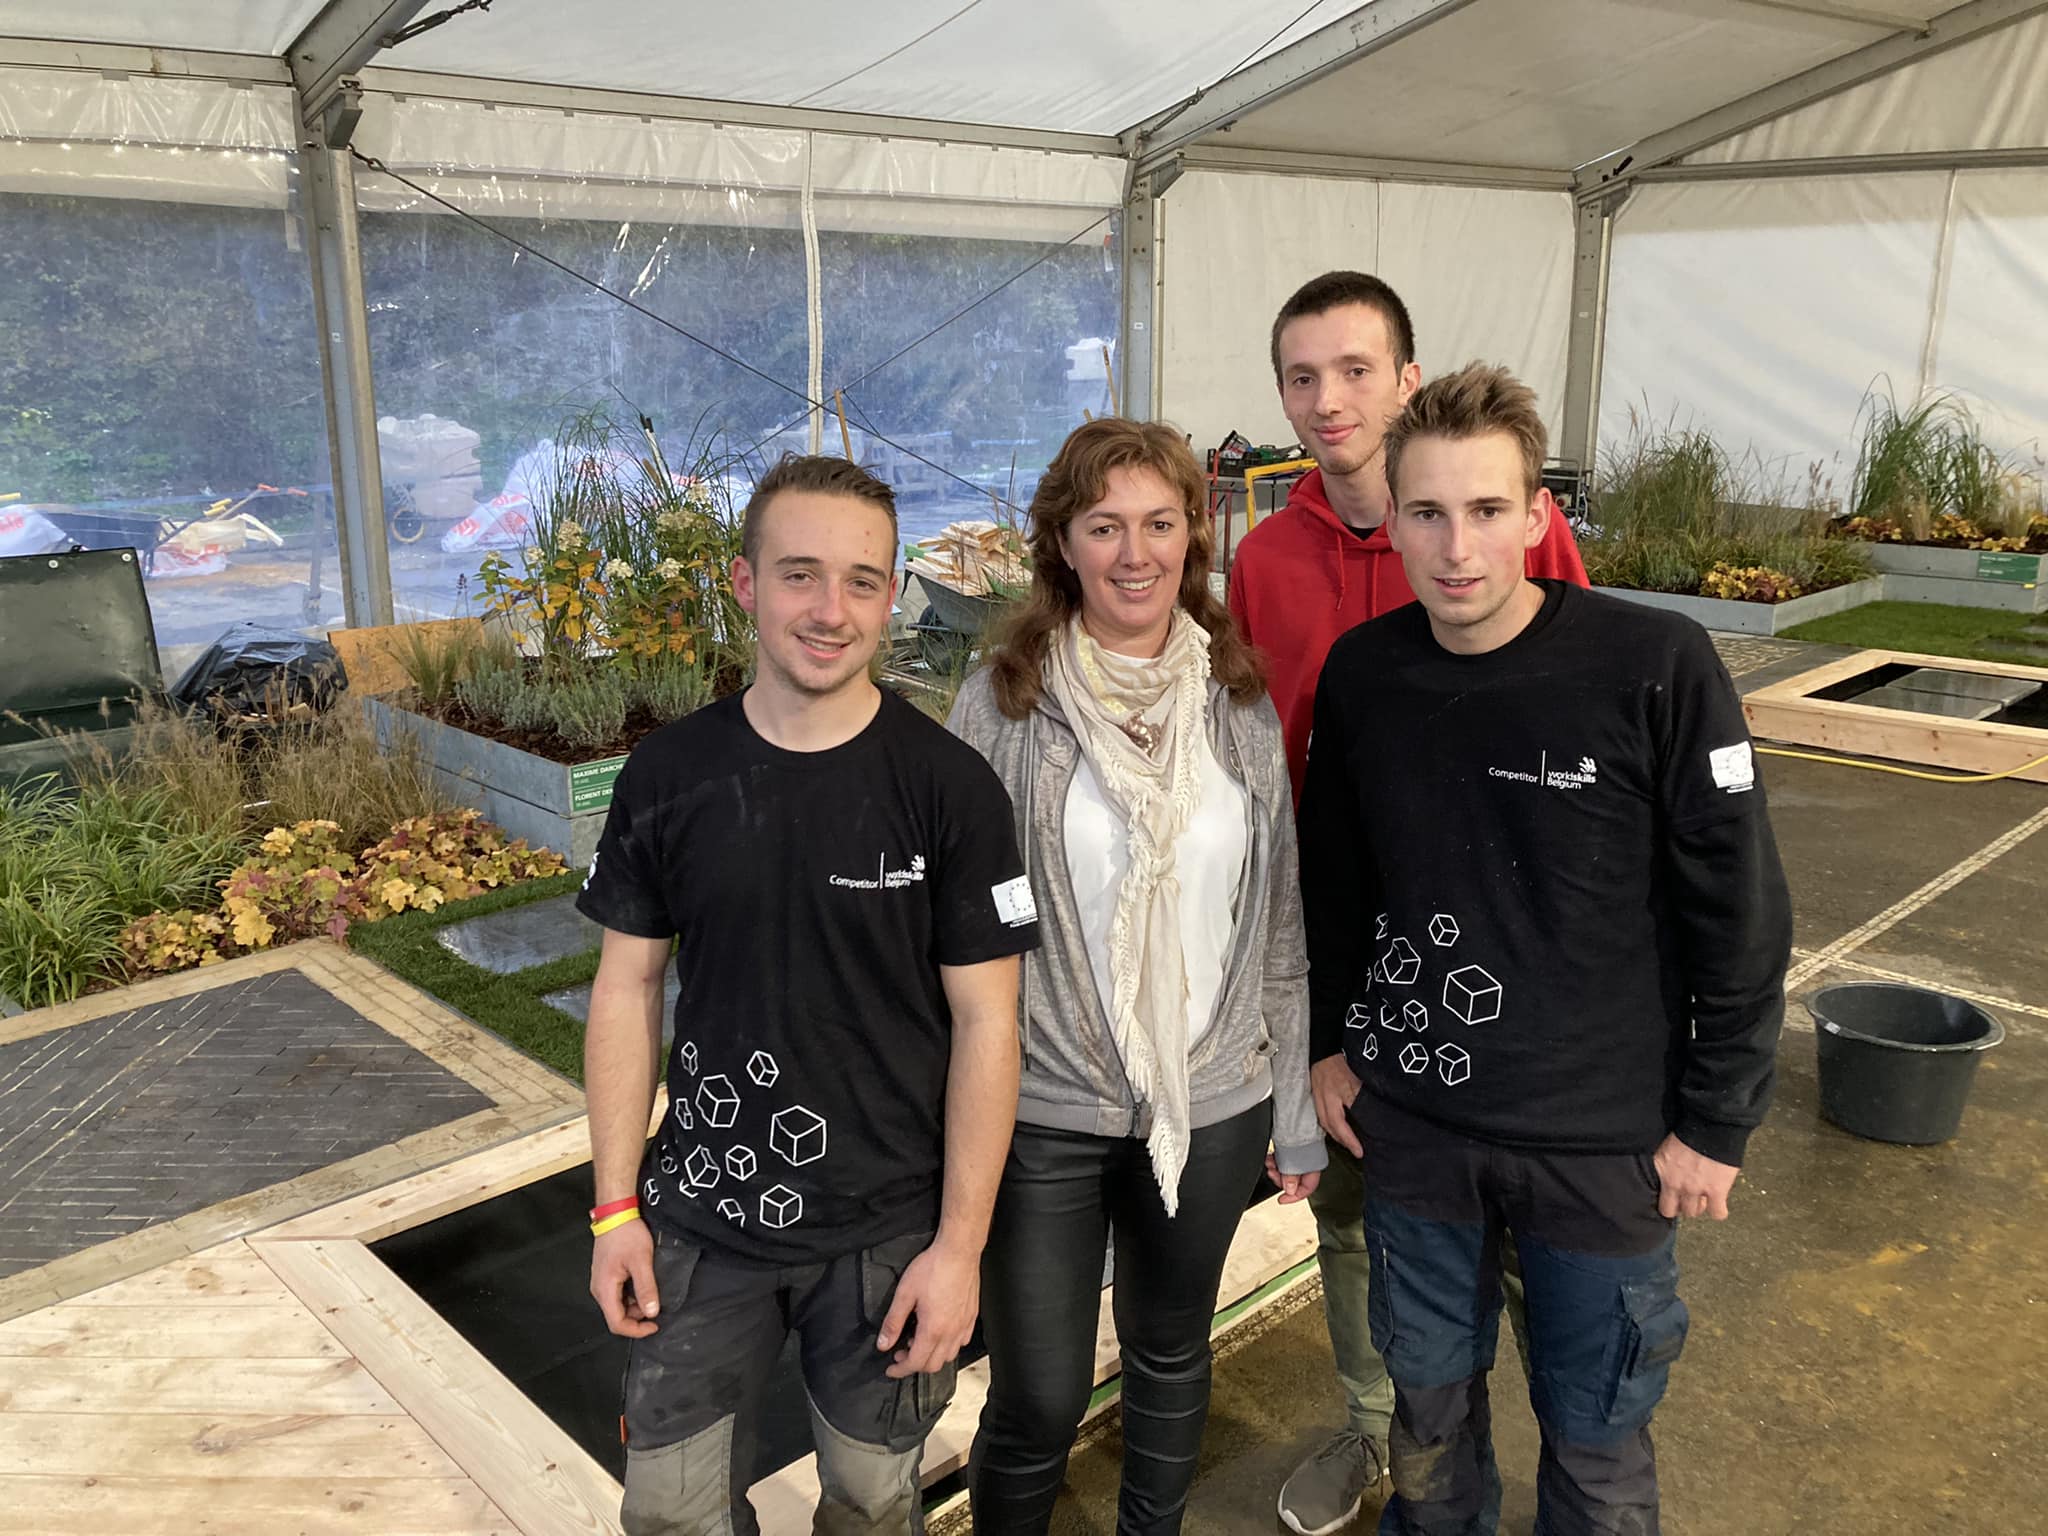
{"x": 1673, "y": 511}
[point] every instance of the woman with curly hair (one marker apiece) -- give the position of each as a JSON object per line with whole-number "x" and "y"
{"x": 1164, "y": 1021}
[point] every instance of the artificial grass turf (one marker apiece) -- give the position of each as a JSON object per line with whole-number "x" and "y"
{"x": 1934, "y": 629}
{"x": 509, "y": 1006}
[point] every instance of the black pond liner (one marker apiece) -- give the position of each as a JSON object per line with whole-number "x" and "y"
{"x": 512, "y": 1276}
{"x": 1896, "y": 1062}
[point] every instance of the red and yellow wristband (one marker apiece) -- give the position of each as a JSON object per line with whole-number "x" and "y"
{"x": 613, "y": 1214}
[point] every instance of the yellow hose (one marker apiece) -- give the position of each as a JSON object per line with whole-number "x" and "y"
{"x": 1905, "y": 773}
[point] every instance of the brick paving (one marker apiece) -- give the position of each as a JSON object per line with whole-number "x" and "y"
{"x": 120, "y": 1122}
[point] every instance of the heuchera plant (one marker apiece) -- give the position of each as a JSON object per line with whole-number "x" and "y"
{"x": 302, "y": 883}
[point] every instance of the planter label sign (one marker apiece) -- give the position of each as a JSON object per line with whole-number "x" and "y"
{"x": 1995, "y": 566}
{"x": 590, "y": 784}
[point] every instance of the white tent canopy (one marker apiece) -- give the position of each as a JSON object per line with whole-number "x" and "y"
{"x": 1741, "y": 213}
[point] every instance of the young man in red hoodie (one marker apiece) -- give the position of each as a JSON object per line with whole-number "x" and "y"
{"x": 1344, "y": 358}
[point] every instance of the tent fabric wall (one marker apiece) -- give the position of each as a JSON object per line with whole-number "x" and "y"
{"x": 1485, "y": 274}
{"x": 1991, "y": 343}
{"x": 1991, "y": 93}
{"x": 537, "y": 163}
{"x": 156, "y": 140}
{"x": 1764, "y": 311}
{"x": 172, "y": 139}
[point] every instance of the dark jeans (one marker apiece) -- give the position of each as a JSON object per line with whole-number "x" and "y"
{"x": 1041, "y": 1290}
{"x": 1604, "y": 1324}
{"x": 1346, "y": 1265}
{"x": 694, "y": 1386}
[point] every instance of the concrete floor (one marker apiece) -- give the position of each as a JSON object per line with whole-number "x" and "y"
{"x": 1870, "y": 1330}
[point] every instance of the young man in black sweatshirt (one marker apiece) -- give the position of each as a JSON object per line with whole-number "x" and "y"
{"x": 1548, "y": 927}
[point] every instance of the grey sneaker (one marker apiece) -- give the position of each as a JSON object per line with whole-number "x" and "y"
{"x": 1328, "y": 1489}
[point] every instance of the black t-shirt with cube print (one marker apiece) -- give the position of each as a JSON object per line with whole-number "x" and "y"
{"x": 816, "y": 895}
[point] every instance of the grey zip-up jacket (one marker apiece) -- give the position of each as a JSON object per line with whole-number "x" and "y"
{"x": 1257, "y": 1044}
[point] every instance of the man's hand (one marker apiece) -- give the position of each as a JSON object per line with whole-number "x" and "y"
{"x": 622, "y": 1279}
{"x": 1293, "y": 1186}
{"x": 942, "y": 1288}
{"x": 1692, "y": 1185}
{"x": 1331, "y": 1083}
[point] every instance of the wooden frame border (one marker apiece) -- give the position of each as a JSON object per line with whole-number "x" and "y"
{"x": 1786, "y": 712}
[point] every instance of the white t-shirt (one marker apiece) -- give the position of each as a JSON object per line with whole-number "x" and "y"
{"x": 1209, "y": 859}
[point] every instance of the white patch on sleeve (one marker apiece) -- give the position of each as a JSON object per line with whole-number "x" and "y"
{"x": 1013, "y": 902}
{"x": 1734, "y": 768}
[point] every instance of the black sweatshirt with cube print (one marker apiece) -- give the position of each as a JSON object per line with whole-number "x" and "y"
{"x": 1543, "y": 903}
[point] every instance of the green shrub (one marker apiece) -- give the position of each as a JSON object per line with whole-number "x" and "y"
{"x": 55, "y": 941}
{"x": 76, "y": 866}
{"x": 588, "y": 711}
{"x": 1671, "y": 507}
{"x": 668, "y": 687}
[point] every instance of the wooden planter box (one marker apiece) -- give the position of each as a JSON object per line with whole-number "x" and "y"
{"x": 1732, "y": 617}
{"x": 1971, "y": 578}
{"x": 553, "y": 805}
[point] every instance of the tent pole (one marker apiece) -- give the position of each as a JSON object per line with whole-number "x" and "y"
{"x": 1137, "y": 271}
{"x": 328, "y": 212}
{"x": 1592, "y": 247}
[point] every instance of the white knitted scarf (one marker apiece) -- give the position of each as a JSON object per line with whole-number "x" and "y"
{"x": 1140, "y": 727}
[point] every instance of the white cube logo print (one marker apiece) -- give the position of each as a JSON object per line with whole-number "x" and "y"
{"x": 1472, "y": 995}
{"x": 1400, "y": 965}
{"x": 701, "y": 1168}
{"x": 781, "y": 1206}
{"x": 1371, "y": 1049}
{"x": 732, "y": 1211}
{"x": 762, "y": 1069}
{"x": 797, "y": 1135}
{"x": 1359, "y": 1016}
{"x": 1414, "y": 1058}
{"x": 1453, "y": 1064}
{"x": 739, "y": 1162}
{"x": 686, "y": 1053}
{"x": 718, "y": 1102}
{"x": 1416, "y": 1015}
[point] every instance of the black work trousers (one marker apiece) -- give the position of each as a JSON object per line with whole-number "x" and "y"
{"x": 1063, "y": 1193}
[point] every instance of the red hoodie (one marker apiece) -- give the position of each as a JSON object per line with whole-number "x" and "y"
{"x": 1302, "y": 577}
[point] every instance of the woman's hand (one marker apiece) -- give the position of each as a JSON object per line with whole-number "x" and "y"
{"x": 1293, "y": 1186}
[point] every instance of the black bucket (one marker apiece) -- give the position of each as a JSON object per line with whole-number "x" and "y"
{"x": 1896, "y": 1061}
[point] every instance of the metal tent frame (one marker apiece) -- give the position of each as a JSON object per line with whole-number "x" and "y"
{"x": 333, "y": 62}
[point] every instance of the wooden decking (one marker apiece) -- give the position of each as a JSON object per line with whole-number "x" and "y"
{"x": 289, "y": 1382}
{"x": 206, "y": 1396}
{"x": 253, "y": 1369}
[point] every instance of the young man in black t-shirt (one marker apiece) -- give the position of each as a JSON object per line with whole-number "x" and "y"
{"x": 843, "y": 885}
{"x": 1548, "y": 927}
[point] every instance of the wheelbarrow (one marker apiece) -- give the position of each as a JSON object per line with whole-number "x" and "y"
{"x": 954, "y": 626}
